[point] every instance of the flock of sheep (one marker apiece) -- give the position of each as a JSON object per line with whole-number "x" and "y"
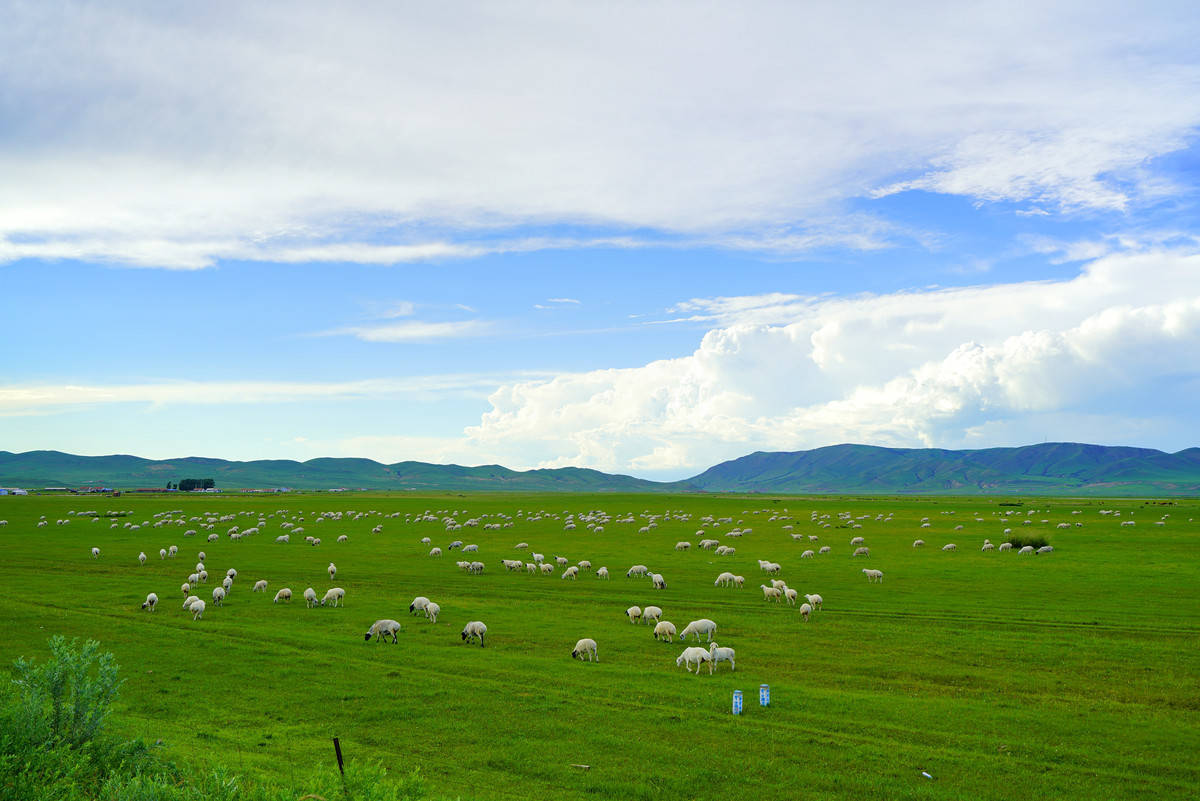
{"x": 775, "y": 591}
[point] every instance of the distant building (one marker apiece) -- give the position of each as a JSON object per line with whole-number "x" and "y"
{"x": 12, "y": 491}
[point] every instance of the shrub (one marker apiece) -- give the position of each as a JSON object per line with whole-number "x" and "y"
{"x": 66, "y": 699}
{"x": 1021, "y": 540}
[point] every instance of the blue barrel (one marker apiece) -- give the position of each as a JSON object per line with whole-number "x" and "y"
{"x": 764, "y": 695}
{"x": 737, "y": 702}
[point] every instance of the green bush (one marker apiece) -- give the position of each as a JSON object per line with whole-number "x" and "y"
{"x": 1021, "y": 540}
{"x": 66, "y": 699}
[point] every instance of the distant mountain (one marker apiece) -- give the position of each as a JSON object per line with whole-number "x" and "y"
{"x": 37, "y": 469}
{"x": 1059, "y": 468}
{"x": 1054, "y": 468}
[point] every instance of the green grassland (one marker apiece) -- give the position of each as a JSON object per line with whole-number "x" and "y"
{"x": 1067, "y": 675}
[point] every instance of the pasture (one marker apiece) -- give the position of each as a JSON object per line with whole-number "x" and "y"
{"x": 1069, "y": 674}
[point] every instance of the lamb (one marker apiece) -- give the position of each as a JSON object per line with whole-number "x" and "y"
{"x": 332, "y": 570}
{"x": 602, "y": 572}
{"x": 218, "y": 595}
{"x": 634, "y": 613}
{"x": 151, "y": 602}
{"x": 521, "y": 546}
{"x": 197, "y": 609}
{"x": 142, "y": 558}
{"x": 380, "y": 630}
{"x": 637, "y": 570}
{"x": 652, "y": 613}
{"x": 698, "y": 627}
{"x": 718, "y": 654}
{"x": 431, "y": 611}
{"x": 584, "y": 564}
{"x": 585, "y": 647}
{"x": 310, "y": 597}
{"x": 873, "y": 575}
{"x": 474, "y": 629}
{"x": 694, "y": 656}
{"x": 657, "y": 581}
{"x": 418, "y": 604}
{"x": 284, "y": 595}
{"x": 805, "y": 611}
{"x": 334, "y": 597}
{"x": 664, "y": 629}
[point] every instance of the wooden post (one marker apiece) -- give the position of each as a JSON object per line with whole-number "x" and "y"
{"x": 337, "y": 749}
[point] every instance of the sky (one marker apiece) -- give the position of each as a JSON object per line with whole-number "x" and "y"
{"x": 637, "y": 237}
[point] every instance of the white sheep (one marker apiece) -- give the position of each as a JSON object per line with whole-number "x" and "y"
{"x": 815, "y": 600}
{"x": 259, "y": 586}
{"x": 546, "y": 567}
{"x": 227, "y": 583}
{"x": 470, "y": 548}
{"x": 162, "y": 553}
{"x": 918, "y": 543}
{"x": 435, "y": 551}
{"x": 857, "y": 541}
{"x": 343, "y": 538}
{"x": 431, "y": 611}
{"x": 682, "y": 546}
{"x": 805, "y": 611}
{"x": 310, "y": 597}
{"x": 571, "y": 572}
{"x": 380, "y": 630}
{"x": 474, "y": 629}
{"x": 1005, "y": 546}
{"x": 634, "y": 613}
{"x": 987, "y": 546}
{"x": 863, "y": 551}
{"x": 791, "y": 595}
{"x": 771, "y": 593}
{"x": 151, "y": 602}
{"x": 142, "y": 558}
{"x": 174, "y": 549}
{"x": 418, "y": 605}
{"x": 203, "y": 576}
{"x": 231, "y": 573}
{"x": 1026, "y": 549}
{"x": 218, "y": 595}
{"x": 824, "y": 549}
{"x": 808, "y": 555}
{"x": 694, "y": 656}
{"x": 724, "y": 580}
{"x": 187, "y": 588}
{"x": 95, "y": 553}
{"x": 283, "y": 538}
{"x": 950, "y": 546}
{"x": 657, "y": 581}
{"x": 197, "y": 609}
{"x": 188, "y": 601}
{"x": 698, "y": 627}
{"x": 602, "y": 572}
{"x": 652, "y": 613}
{"x": 664, "y": 629}
{"x": 1045, "y": 549}
{"x": 332, "y": 570}
{"x": 585, "y": 647}
{"x": 284, "y": 595}
{"x": 873, "y": 575}
{"x": 718, "y": 654}
{"x": 637, "y": 570}
{"x": 334, "y": 596}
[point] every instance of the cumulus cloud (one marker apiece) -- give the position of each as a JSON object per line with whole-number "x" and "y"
{"x": 907, "y": 369}
{"x": 242, "y": 131}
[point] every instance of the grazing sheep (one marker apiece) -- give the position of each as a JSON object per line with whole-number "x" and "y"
{"x": 334, "y": 597}
{"x": 950, "y": 546}
{"x": 584, "y": 565}
{"x": 231, "y": 573}
{"x": 283, "y": 538}
{"x": 435, "y": 551}
{"x": 470, "y": 548}
{"x": 188, "y": 601}
{"x": 918, "y": 543}
{"x": 824, "y": 549}
{"x": 203, "y": 576}
{"x": 791, "y": 595}
{"x": 652, "y": 613}
{"x": 682, "y": 546}
{"x": 151, "y": 602}
{"x": 218, "y": 595}
{"x": 539, "y": 557}
{"x": 863, "y": 551}
{"x": 546, "y": 567}
{"x": 815, "y": 600}
{"x": 571, "y": 572}
{"x": 1045, "y": 549}
{"x": 380, "y": 630}
{"x": 1005, "y": 546}
{"x": 694, "y": 656}
{"x": 418, "y": 605}
{"x": 664, "y": 629}
{"x": 585, "y": 647}
{"x": 162, "y": 553}
{"x": 724, "y": 580}
{"x": 310, "y": 597}
{"x": 987, "y": 546}
{"x": 343, "y": 538}
{"x": 187, "y": 588}
{"x": 431, "y": 611}
{"x": 95, "y": 553}
{"x": 284, "y": 595}
{"x": 807, "y": 555}
{"x": 637, "y": 570}
{"x": 698, "y": 627}
{"x": 174, "y": 549}
{"x": 602, "y": 572}
{"x": 805, "y": 611}
{"x": 857, "y": 541}
{"x": 259, "y": 586}
{"x": 227, "y": 583}
{"x": 873, "y": 575}
{"x": 521, "y": 546}
{"x": 332, "y": 570}
{"x": 718, "y": 654}
{"x": 634, "y": 613}
{"x": 657, "y": 581}
{"x": 142, "y": 558}
{"x": 771, "y": 593}
{"x": 474, "y": 629}
{"x": 1026, "y": 549}
{"x": 197, "y": 609}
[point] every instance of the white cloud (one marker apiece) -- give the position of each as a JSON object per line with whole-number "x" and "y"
{"x": 906, "y": 369}
{"x": 415, "y": 331}
{"x": 563, "y": 300}
{"x": 214, "y": 132}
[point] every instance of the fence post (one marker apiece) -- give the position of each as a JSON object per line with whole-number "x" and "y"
{"x": 337, "y": 749}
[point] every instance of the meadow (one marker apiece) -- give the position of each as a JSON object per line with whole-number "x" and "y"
{"x": 1072, "y": 674}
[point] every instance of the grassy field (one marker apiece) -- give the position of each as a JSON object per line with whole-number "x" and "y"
{"x": 1067, "y": 675}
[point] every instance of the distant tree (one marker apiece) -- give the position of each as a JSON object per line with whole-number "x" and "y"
{"x": 208, "y": 484}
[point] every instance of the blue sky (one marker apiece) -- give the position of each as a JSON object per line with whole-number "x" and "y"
{"x": 642, "y": 238}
